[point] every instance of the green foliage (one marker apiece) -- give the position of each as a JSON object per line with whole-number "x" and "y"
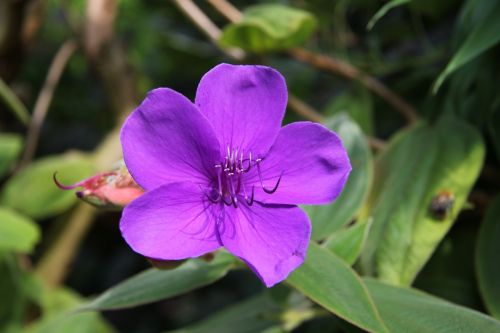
{"x": 153, "y": 285}
{"x": 17, "y": 232}
{"x": 411, "y": 311}
{"x": 488, "y": 249}
{"x": 482, "y": 37}
{"x": 58, "y": 315}
{"x": 33, "y": 192}
{"x": 269, "y": 27}
{"x": 348, "y": 242}
{"x": 421, "y": 166}
{"x": 10, "y": 148}
{"x": 329, "y": 218}
{"x": 330, "y": 282}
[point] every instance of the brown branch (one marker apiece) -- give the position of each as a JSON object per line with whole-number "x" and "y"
{"x": 332, "y": 65}
{"x": 345, "y": 69}
{"x": 45, "y": 97}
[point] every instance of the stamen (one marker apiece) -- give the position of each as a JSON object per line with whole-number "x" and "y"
{"x": 250, "y": 202}
{"x": 268, "y": 191}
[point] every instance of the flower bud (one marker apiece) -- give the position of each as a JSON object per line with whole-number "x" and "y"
{"x": 113, "y": 189}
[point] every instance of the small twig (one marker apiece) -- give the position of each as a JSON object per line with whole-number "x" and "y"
{"x": 227, "y": 9}
{"x": 303, "y": 109}
{"x": 345, "y": 69}
{"x": 308, "y": 112}
{"x": 45, "y": 97}
{"x": 203, "y": 22}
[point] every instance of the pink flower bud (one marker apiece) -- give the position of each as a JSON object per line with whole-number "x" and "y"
{"x": 116, "y": 188}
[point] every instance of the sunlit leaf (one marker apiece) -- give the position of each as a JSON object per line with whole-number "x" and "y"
{"x": 32, "y": 191}
{"x": 153, "y": 285}
{"x": 17, "y": 232}
{"x": 330, "y": 282}
{"x": 10, "y": 147}
{"x": 268, "y": 27}
{"x": 488, "y": 267}
{"x": 412, "y": 311}
{"x": 482, "y": 37}
{"x": 348, "y": 241}
{"x": 328, "y": 218}
{"x": 421, "y": 183}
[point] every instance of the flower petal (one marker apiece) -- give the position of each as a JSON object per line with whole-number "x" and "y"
{"x": 166, "y": 139}
{"x": 311, "y": 161}
{"x": 271, "y": 239}
{"x": 244, "y": 104}
{"x": 171, "y": 222}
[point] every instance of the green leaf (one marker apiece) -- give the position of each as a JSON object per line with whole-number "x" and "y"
{"x": 153, "y": 285}
{"x": 383, "y": 10}
{"x": 484, "y": 36}
{"x": 421, "y": 167}
{"x": 17, "y": 232}
{"x": 348, "y": 242}
{"x": 32, "y": 191}
{"x": 269, "y": 27}
{"x": 330, "y": 282}
{"x": 58, "y": 315}
{"x": 329, "y": 218}
{"x": 411, "y": 311}
{"x": 488, "y": 249}
{"x": 10, "y": 147}
{"x": 252, "y": 315}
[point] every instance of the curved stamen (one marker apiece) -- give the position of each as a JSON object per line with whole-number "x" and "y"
{"x": 265, "y": 189}
{"x": 250, "y": 202}
{"x": 210, "y": 197}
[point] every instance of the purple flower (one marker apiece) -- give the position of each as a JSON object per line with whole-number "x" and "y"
{"x": 222, "y": 172}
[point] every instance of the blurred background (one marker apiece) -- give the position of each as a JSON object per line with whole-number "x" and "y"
{"x": 72, "y": 70}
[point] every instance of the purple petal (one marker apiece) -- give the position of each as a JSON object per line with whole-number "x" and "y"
{"x": 244, "y": 104}
{"x": 166, "y": 139}
{"x": 171, "y": 222}
{"x": 271, "y": 239}
{"x": 311, "y": 161}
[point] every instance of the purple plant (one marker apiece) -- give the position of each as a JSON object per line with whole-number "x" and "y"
{"x": 222, "y": 172}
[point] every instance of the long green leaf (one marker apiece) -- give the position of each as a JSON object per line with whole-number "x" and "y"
{"x": 383, "y": 10}
{"x": 17, "y": 232}
{"x": 422, "y": 169}
{"x": 330, "y": 282}
{"x": 484, "y": 36}
{"x": 33, "y": 192}
{"x": 329, "y": 218}
{"x": 252, "y": 315}
{"x": 153, "y": 285}
{"x": 411, "y": 311}
{"x": 14, "y": 104}
{"x": 488, "y": 265}
{"x": 348, "y": 242}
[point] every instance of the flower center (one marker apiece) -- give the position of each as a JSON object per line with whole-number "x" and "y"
{"x": 230, "y": 173}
